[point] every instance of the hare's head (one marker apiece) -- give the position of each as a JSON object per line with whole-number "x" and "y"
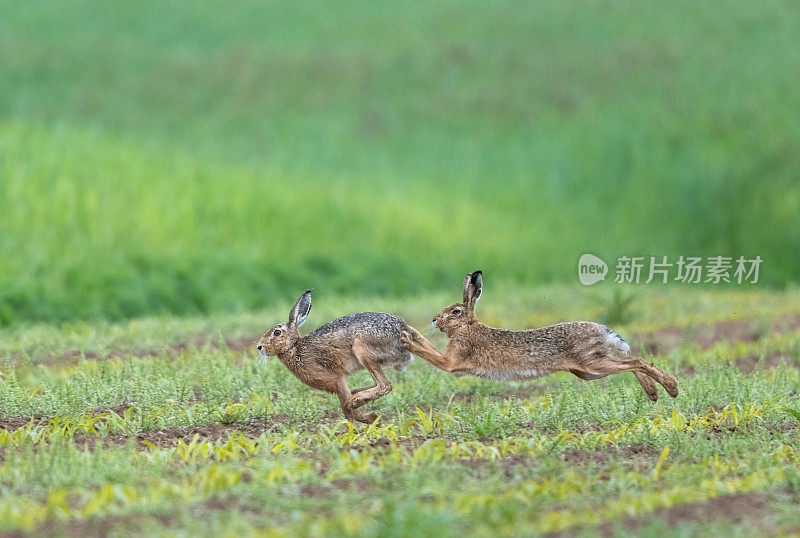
{"x": 458, "y": 315}
{"x": 285, "y": 335}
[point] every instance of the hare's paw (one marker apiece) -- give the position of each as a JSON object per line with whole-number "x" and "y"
{"x": 406, "y": 340}
{"x": 354, "y": 401}
{"x": 360, "y": 417}
{"x": 672, "y": 386}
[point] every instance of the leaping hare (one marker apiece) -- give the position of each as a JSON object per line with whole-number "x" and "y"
{"x": 587, "y": 349}
{"x": 325, "y": 357}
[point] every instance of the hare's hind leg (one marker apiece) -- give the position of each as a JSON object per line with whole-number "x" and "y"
{"x": 645, "y": 381}
{"x": 353, "y": 415}
{"x": 382, "y": 385}
{"x": 586, "y": 376}
{"x": 666, "y": 380}
{"x": 648, "y": 385}
{"x": 614, "y": 365}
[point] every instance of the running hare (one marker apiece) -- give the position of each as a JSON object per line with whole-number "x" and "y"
{"x": 325, "y": 357}
{"x": 587, "y": 349}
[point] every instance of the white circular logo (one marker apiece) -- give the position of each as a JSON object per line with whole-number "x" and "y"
{"x": 591, "y": 269}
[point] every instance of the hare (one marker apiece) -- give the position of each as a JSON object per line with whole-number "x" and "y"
{"x": 325, "y": 357}
{"x": 587, "y": 349}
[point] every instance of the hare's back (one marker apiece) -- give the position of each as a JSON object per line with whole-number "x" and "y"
{"x": 585, "y": 337}
{"x": 379, "y": 331}
{"x": 367, "y": 324}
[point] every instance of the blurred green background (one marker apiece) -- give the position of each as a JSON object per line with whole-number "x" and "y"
{"x": 172, "y": 157}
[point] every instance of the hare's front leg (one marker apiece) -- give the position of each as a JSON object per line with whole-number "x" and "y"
{"x": 415, "y": 336}
{"x": 426, "y": 350}
{"x": 429, "y": 353}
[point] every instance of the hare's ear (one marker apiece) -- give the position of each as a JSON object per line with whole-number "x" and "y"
{"x": 467, "y": 288}
{"x": 473, "y": 285}
{"x": 300, "y": 310}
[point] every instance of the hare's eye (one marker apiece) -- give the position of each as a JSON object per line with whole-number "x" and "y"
{"x": 277, "y": 332}
{"x": 457, "y": 311}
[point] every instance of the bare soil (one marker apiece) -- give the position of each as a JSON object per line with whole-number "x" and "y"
{"x": 632, "y": 456}
{"x": 165, "y": 437}
{"x": 15, "y": 423}
{"x": 520, "y": 393}
{"x": 748, "y": 365}
{"x": 129, "y": 524}
{"x": 168, "y": 437}
{"x": 734, "y": 508}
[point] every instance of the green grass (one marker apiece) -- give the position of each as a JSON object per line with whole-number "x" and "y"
{"x": 554, "y": 454}
{"x": 181, "y": 159}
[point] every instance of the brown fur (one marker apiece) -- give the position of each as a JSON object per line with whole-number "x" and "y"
{"x": 325, "y": 357}
{"x": 587, "y": 349}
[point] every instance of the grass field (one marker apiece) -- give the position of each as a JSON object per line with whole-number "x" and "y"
{"x": 173, "y": 175}
{"x": 172, "y": 158}
{"x": 165, "y": 425}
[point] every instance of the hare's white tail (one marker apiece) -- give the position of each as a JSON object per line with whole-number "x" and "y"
{"x": 617, "y": 342}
